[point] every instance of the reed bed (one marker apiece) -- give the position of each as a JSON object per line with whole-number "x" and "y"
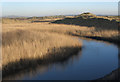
{"x": 24, "y": 48}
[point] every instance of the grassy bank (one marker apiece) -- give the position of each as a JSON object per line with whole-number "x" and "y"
{"x": 27, "y": 48}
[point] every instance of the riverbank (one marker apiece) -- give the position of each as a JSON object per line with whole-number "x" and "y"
{"x": 84, "y": 65}
{"x": 23, "y": 48}
{"x": 62, "y": 54}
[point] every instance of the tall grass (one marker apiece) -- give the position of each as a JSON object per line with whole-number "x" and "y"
{"x": 31, "y": 45}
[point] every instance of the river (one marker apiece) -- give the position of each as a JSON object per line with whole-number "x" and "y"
{"x": 95, "y": 60}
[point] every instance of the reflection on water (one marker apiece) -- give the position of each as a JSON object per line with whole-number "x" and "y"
{"x": 96, "y": 60}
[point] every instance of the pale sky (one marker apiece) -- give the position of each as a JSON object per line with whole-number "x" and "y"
{"x": 59, "y": 0}
{"x": 58, "y": 8}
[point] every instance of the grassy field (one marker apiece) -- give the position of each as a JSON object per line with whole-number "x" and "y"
{"x": 30, "y": 42}
{"x": 85, "y": 25}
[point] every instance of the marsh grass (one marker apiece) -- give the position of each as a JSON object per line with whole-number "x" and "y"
{"x": 60, "y": 54}
{"x": 13, "y": 20}
{"x": 24, "y": 48}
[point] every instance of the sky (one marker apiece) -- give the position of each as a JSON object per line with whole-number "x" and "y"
{"x": 45, "y": 8}
{"x": 59, "y": 0}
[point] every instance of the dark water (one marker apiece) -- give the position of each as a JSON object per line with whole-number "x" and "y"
{"x": 96, "y": 60}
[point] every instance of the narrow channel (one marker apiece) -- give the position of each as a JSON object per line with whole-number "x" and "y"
{"x": 95, "y": 60}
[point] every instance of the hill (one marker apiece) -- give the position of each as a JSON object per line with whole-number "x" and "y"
{"x": 91, "y": 20}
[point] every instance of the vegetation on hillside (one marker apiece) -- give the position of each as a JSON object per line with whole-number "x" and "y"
{"x": 104, "y": 28}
